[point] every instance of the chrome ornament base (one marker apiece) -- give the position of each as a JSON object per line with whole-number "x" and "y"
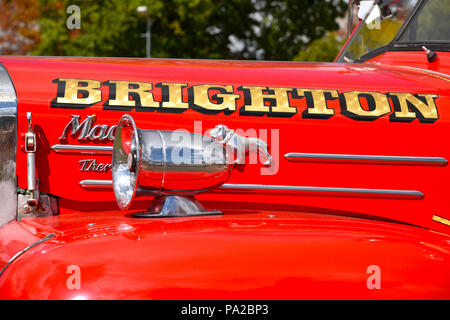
{"x": 175, "y": 206}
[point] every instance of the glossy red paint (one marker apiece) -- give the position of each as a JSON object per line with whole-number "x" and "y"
{"x": 244, "y": 254}
{"x": 416, "y": 59}
{"x": 338, "y": 134}
{"x": 267, "y": 245}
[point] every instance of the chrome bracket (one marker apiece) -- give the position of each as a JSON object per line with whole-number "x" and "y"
{"x": 175, "y": 206}
{"x": 32, "y": 203}
{"x": 48, "y": 206}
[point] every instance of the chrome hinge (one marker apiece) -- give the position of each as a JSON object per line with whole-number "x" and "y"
{"x": 32, "y": 202}
{"x": 48, "y": 206}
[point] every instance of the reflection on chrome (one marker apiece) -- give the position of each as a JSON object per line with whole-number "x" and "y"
{"x": 8, "y": 133}
{"x": 172, "y": 166}
{"x": 123, "y": 187}
{"x": 164, "y": 163}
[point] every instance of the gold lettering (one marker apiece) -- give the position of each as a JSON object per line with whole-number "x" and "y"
{"x": 408, "y": 107}
{"x": 173, "y": 92}
{"x": 378, "y": 105}
{"x": 139, "y": 91}
{"x": 317, "y": 106}
{"x": 255, "y": 99}
{"x": 281, "y": 104}
{"x": 212, "y": 98}
{"x": 226, "y": 100}
{"x": 79, "y": 91}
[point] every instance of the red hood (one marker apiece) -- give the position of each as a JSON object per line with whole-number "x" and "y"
{"x": 345, "y": 76}
{"x": 245, "y": 254}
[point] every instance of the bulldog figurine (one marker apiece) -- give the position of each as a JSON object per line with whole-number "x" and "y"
{"x": 240, "y": 145}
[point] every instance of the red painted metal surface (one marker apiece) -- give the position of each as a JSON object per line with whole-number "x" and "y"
{"x": 308, "y": 250}
{"x": 416, "y": 59}
{"x": 60, "y": 174}
{"x": 242, "y": 255}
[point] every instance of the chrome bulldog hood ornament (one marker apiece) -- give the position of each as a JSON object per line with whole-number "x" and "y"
{"x": 173, "y": 166}
{"x": 240, "y": 145}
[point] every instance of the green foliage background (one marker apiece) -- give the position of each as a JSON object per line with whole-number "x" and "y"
{"x": 323, "y": 49}
{"x": 271, "y": 30}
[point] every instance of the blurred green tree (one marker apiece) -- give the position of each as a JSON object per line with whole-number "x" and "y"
{"x": 324, "y": 49}
{"x": 228, "y": 29}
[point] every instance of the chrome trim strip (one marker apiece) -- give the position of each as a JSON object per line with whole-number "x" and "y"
{"x": 84, "y": 149}
{"x": 430, "y": 72}
{"x": 8, "y": 146}
{"x": 343, "y": 192}
{"x": 368, "y": 159}
{"x": 18, "y": 254}
{"x": 96, "y": 184}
